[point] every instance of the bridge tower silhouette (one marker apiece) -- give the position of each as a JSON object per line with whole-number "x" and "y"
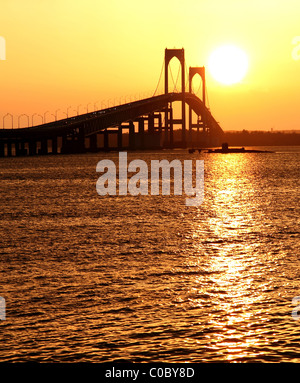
{"x": 201, "y": 125}
{"x": 202, "y": 128}
{"x": 169, "y": 120}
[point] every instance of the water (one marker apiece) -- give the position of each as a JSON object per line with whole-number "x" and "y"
{"x": 146, "y": 278}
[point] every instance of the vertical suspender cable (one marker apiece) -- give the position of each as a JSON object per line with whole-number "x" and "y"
{"x": 161, "y": 72}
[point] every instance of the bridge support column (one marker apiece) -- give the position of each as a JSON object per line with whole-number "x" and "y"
{"x": 44, "y": 146}
{"x": 159, "y": 124}
{"x": 190, "y": 141}
{"x": 64, "y": 145}
{"x": 183, "y": 124}
{"x": 23, "y": 150}
{"x": 120, "y": 143}
{"x": 151, "y": 123}
{"x": 106, "y": 143}
{"x": 171, "y": 129}
{"x": 18, "y": 149}
{"x": 81, "y": 141}
{"x": 131, "y": 136}
{"x": 54, "y": 145}
{"x": 2, "y": 151}
{"x": 142, "y": 132}
{"x": 9, "y": 148}
{"x": 93, "y": 143}
{"x": 166, "y": 138}
{"x": 32, "y": 147}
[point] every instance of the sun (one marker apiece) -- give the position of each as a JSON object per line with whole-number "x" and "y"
{"x": 228, "y": 64}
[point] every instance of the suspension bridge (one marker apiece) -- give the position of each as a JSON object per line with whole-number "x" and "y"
{"x": 149, "y": 123}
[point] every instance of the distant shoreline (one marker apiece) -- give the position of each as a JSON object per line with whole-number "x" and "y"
{"x": 261, "y": 138}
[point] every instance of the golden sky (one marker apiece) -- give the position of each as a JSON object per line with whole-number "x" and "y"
{"x": 64, "y": 53}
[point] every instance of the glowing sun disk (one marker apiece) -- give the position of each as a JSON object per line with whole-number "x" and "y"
{"x": 228, "y": 64}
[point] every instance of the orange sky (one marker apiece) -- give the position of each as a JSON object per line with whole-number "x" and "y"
{"x": 66, "y": 53}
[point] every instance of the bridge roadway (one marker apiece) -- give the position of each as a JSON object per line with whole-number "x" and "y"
{"x": 97, "y": 121}
{"x": 70, "y": 133}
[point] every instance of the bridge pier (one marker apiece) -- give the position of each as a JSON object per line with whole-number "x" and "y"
{"x": 54, "y": 145}
{"x": 166, "y": 137}
{"x": 23, "y": 150}
{"x": 64, "y": 144}
{"x": 32, "y": 147}
{"x": 159, "y": 124}
{"x": 106, "y": 143}
{"x": 9, "y": 148}
{"x": 18, "y": 150}
{"x": 131, "y": 136}
{"x": 44, "y": 146}
{"x": 119, "y": 138}
{"x": 169, "y": 128}
{"x": 2, "y": 149}
{"x": 151, "y": 123}
{"x": 80, "y": 147}
{"x": 93, "y": 143}
{"x": 141, "y": 129}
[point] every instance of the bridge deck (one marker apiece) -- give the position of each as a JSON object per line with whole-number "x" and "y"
{"x": 99, "y": 120}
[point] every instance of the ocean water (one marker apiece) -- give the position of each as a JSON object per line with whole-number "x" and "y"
{"x": 89, "y": 278}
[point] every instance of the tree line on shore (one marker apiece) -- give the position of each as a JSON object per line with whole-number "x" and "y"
{"x": 261, "y": 138}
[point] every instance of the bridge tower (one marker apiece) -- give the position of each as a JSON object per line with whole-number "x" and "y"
{"x": 169, "y": 121}
{"x": 200, "y": 124}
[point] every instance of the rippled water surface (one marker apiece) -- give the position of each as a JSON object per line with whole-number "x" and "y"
{"x": 146, "y": 278}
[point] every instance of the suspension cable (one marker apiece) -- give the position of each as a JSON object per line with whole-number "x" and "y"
{"x": 197, "y": 91}
{"x": 206, "y": 93}
{"x": 177, "y": 78}
{"x": 187, "y": 75}
{"x": 161, "y": 72}
{"x": 174, "y": 89}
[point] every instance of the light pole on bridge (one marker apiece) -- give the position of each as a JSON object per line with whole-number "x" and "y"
{"x": 69, "y": 107}
{"x": 12, "y": 119}
{"x": 45, "y": 115}
{"x": 36, "y": 114}
{"x": 87, "y": 107}
{"x": 56, "y": 114}
{"x": 19, "y": 118}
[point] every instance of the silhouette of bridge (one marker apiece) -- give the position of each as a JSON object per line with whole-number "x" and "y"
{"x": 139, "y": 125}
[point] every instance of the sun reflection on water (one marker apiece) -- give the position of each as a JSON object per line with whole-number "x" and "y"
{"x": 227, "y": 264}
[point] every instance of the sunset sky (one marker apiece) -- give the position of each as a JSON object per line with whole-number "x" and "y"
{"x": 64, "y": 53}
